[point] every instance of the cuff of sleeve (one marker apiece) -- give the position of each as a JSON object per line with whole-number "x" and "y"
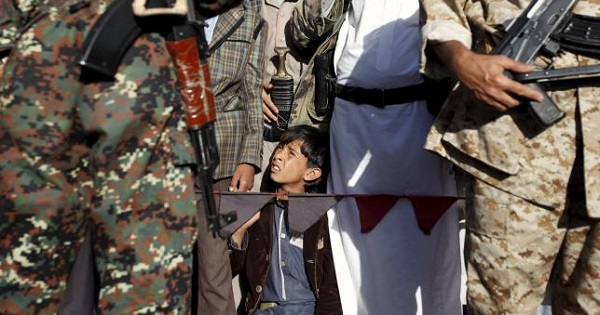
{"x": 234, "y": 246}
{"x": 435, "y": 33}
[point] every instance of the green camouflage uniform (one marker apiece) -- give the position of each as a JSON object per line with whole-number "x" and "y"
{"x": 114, "y": 153}
{"x": 534, "y": 200}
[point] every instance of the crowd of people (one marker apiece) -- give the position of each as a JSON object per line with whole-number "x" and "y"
{"x": 102, "y": 209}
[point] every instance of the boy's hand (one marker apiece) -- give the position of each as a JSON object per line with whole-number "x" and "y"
{"x": 238, "y": 236}
{"x": 269, "y": 109}
{"x": 243, "y": 178}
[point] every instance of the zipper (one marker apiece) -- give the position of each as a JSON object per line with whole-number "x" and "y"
{"x": 279, "y": 254}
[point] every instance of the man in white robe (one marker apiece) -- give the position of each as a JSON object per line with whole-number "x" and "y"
{"x": 395, "y": 268}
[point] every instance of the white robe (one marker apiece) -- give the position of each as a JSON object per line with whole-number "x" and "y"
{"x": 395, "y": 268}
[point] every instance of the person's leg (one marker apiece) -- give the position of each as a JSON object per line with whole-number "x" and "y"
{"x": 144, "y": 245}
{"x": 585, "y": 281}
{"x": 441, "y": 272}
{"x": 511, "y": 248}
{"x": 215, "y": 293}
{"x": 577, "y": 273}
{"x": 576, "y": 290}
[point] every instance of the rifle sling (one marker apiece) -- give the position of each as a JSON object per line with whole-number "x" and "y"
{"x": 111, "y": 35}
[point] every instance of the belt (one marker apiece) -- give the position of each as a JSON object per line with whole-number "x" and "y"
{"x": 383, "y": 97}
{"x": 266, "y": 305}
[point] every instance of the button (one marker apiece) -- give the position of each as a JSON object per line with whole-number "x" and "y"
{"x": 282, "y": 263}
{"x": 267, "y": 257}
{"x": 258, "y": 289}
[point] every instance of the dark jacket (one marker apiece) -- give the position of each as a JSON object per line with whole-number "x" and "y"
{"x": 253, "y": 263}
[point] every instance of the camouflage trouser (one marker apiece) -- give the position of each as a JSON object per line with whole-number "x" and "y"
{"x": 143, "y": 240}
{"x": 515, "y": 248}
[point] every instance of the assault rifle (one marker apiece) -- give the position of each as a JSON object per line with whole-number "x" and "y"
{"x": 186, "y": 43}
{"x": 530, "y": 34}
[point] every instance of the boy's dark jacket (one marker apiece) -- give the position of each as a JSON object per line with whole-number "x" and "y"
{"x": 253, "y": 263}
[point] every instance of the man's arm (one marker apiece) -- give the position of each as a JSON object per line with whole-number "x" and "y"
{"x": 311, "y": 22}
{"x": 448, "y": 34}
{"x": 250, "y": 154}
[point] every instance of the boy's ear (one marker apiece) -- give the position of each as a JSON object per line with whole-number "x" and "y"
{"x": 312, "y": 174}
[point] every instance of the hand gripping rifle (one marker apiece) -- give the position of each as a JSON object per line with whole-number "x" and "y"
{"x": 187, "y": 46}
{"x": 529, "y": 35}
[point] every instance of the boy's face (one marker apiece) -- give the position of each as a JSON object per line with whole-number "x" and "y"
{"x": 289, "y": 167}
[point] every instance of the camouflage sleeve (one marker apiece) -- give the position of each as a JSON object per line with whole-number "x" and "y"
{"x": 444, "y": 20}
{"x": 8, "y": 26}
{"x": 252, "y": 85}
{"x": 311, "y": 22}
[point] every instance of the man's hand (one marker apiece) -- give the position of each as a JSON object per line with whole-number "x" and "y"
{"x": 484, "y": 75}
{"x": 269, "y": 109}
{"x": 243, "y": 178}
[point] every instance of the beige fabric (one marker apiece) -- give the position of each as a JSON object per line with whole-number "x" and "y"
{"x": 512, "y": 246}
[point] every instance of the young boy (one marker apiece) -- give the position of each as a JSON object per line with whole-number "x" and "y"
{"x": 285, "y": 274}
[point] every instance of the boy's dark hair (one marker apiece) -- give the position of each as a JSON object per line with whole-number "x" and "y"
{"x": 315, "y": 146}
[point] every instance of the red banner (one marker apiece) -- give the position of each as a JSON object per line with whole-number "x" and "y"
{"x": 305, "y": 209}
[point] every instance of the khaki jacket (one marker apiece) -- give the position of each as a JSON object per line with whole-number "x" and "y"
{"x": 507, "y": 150}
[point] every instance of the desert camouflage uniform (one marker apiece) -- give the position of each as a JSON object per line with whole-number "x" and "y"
{"x": 534, "y": 202}
{"x": 113, "y": 153}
